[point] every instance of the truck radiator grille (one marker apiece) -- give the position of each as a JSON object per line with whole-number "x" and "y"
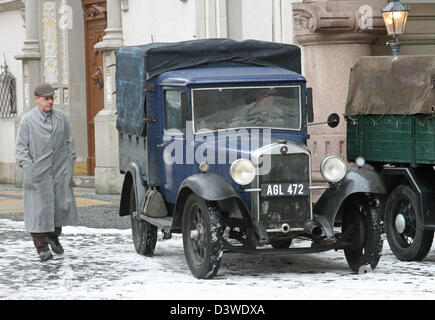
{"x": 274, "y": 211}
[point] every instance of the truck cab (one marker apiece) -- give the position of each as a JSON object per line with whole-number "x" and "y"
{"x": 216, "y": 150}
{"x": 203, "y": 110}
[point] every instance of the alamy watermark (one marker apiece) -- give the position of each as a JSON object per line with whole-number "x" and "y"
{"x": 65, "y": 16}
{"x": 217, "y": 147}
{"x": 365, "y": 17}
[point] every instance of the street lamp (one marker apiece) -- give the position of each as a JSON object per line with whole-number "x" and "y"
{"x": 395, "y": 15}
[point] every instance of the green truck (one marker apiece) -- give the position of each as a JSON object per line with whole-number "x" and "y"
{"x": 391, "y": 128}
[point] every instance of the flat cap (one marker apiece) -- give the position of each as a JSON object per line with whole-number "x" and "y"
{"x": 44, "y": 90}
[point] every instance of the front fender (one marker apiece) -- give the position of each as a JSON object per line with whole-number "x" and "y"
{"x": 356, "y": 180}
{"x": 208, "y": 186}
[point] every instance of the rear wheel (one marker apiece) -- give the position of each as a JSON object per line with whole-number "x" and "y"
{"x": 202, "y": 237}
{"x": 144, "y": 234}
{"x": 361, "y": 220}
{"x": 404, "y": 226}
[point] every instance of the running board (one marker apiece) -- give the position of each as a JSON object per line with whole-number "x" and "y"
{"x": 162, "y": 223}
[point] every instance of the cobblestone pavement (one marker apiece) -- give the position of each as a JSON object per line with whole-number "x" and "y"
{"x": 100, "y": 263}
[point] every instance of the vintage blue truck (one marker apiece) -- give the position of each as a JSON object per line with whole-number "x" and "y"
{"x": 212, "y": 142}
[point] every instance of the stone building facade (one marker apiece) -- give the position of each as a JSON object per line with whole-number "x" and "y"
{"x": 11, "y": 41}
{"x": 72, "y": 43}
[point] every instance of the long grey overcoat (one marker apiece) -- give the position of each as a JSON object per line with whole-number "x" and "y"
{"x": 46, "y": 153}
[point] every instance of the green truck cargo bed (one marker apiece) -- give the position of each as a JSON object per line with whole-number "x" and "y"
{"x": 407, "y": 139}
{"x": 390, "y": 110}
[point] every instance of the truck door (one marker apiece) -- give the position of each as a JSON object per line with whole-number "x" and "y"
{"x": 172, "y": 149}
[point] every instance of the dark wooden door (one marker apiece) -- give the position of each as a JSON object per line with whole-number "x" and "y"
{"x": 95, "y": 17}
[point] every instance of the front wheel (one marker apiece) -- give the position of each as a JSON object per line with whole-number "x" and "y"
{"x": 144, "y": 234}
{"x": 361, "y": 220}
{"x": 202, "y": 237}
{"x": 404, "y": 226}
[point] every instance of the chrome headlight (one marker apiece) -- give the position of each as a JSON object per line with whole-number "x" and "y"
{"x": 333, "y": 169}
{"x": 242, "y": 171}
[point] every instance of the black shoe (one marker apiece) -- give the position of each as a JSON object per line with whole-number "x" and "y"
{"x": 55, "y": 245}
{"x": 45, "y": 255}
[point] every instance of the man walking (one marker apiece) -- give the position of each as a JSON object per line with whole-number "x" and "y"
{"x": 45, "y": 150}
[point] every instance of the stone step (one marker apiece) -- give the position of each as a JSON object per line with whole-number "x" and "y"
{"x": 84, "y": 181}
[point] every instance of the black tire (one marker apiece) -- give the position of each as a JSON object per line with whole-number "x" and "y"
{"x": 407, "y": 239}
{"x": 202, "y": 237}
{"x": 362, "y": 216}
{"x": 281, "y": 244}
{"x": 144, "y": 234}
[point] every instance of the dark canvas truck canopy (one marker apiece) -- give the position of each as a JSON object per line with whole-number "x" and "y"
{"x": 138, "y": 66}
{"x": 388, "y": 85}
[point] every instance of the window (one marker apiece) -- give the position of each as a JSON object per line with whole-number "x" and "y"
{"x": 175, "y": 110}
{"x": 256, "y": 107}
{"x": 8, "y": 94}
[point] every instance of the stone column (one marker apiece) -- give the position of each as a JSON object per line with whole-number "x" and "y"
{"x": 334, "y": 34}
{"x": 30, "y": 56}
{"x": 108, "y": 180}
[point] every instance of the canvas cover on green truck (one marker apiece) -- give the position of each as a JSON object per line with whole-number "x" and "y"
{"x": 390, "y": 110}
{"x": 388, "y": 85}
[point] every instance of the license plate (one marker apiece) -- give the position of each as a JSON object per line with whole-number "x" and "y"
{"x": 285, "y": 189}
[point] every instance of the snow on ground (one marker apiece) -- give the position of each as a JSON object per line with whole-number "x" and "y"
{"x": 102, "y": 264}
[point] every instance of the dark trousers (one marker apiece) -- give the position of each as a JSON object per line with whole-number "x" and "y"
{"x": 41, "y": 239}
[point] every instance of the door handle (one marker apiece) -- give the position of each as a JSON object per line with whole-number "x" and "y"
{"x": 163, "y": 144}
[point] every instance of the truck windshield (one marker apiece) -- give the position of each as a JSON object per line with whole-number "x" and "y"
{"x": 254, "y": 107}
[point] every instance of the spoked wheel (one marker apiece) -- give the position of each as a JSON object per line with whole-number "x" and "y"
{"x": 404, "y": 226}
{"x": 361, "y": 220}
{"x": 144, "y": 234}
{"x": 202, "y": 237}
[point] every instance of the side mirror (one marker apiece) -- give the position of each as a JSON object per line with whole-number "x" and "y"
{"x": 309, "y": 105}
{"x": 333, "y": 120}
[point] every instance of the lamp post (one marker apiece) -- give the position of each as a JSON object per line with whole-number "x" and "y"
{"x": 395, "y": 15}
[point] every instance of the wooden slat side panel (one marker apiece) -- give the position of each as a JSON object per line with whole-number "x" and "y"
{"x": 425, "y": 139}
{"x": 388, "y": 138}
